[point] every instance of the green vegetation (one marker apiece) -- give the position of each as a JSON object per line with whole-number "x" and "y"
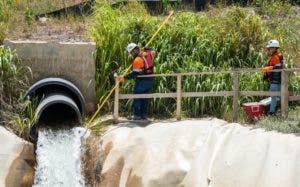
{"x": 290, "y": 125}
{"x": 217, "y": 39}
{"x": 29, "y": 16}
{"x": 10, "y": 12}
{"x": 46, "y": 6}
{"x": 17, "y": 115}
{"x": 280, "y": 125}
{"x": 4, "y": 18}
{"x": 13, "y": 79}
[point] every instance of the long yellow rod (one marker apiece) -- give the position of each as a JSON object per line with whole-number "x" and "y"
{"x": 126, "y": 71}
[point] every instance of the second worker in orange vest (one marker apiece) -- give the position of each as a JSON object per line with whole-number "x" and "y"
{"x": 274, "y": 78}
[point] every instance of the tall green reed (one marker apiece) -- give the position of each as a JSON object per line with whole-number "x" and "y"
{"x": 13, "y": 76}
{"x": 14, "y": 81}
{"x": 5, "y": 12}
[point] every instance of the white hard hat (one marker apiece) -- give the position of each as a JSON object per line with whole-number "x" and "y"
{"x": 131, "y": 46}
{"x": 273, "y": 43}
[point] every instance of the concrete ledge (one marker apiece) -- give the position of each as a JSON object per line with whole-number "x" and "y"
{"x": 71, "y": 61}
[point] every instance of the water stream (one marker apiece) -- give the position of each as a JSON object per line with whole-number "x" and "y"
{"x": 59, "y": 156}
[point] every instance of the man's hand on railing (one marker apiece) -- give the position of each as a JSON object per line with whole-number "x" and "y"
{"x": 267, "y": 69}
{"x": 121, "y": 79}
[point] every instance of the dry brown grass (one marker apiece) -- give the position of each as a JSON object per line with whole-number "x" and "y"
{"x": 58, "y": 29}
{"x": 23, "y": 23}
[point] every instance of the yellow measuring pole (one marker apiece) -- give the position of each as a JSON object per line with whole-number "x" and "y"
{"x": 126, "y": 71}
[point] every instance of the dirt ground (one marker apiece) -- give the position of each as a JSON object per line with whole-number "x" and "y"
{"x": 70, "y": 29}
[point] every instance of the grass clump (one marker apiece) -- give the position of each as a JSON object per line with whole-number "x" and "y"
{"x": 280, "y": 125}
{"x": 4, "y": 18}
{"x": 10, "y": 11}
{"x": 14, "y": 80}
{"x": 218, "y": 39}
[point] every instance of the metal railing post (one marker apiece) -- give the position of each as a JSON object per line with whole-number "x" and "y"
{"x": 284, "y": 93}
{"x": 116, "y": 101}
{"x": 178, "y": 96}
{"x": 235, "y": 98}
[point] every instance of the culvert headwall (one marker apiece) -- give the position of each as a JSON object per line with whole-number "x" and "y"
{"x": 72, "y": 61}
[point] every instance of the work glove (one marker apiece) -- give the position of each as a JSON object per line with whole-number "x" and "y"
{"x": 267, "y": 69}
{"x": 121, "y": 79}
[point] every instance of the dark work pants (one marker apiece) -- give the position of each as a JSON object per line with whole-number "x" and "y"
{"x": 140, "y": 106}
{"x": 274, "y": 88}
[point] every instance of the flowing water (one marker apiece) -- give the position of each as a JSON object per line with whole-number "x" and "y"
{"x": 59, "y": 156}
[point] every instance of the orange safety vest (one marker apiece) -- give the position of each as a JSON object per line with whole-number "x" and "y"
{"x": 144, "y": 62}
{"x": 276, "y": 61}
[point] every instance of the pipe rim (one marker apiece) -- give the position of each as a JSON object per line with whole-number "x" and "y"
{"x": 56, "y": 99}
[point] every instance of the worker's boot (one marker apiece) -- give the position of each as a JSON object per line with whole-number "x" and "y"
{"x": 271, "y": 114}
{"x": 136, "y": 118}
{"x": 144, "y": 118}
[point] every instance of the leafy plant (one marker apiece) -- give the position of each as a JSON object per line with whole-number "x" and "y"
{"x": 14, "y": 80}
{"x": 29, "y": 16}
{"x": 13, "y": 76}
{"x": 26, "y": 119}
{"x": 5, "y": 7}
{"x": 280, "y": 125}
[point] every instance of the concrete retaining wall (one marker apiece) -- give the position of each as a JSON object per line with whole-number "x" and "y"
{"x": 71, "y": 61}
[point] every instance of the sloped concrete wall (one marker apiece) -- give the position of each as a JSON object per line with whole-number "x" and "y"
{"x": 17, "y": 160}
{"x": 195, "y": 153}
{"x": 71, "y": 61}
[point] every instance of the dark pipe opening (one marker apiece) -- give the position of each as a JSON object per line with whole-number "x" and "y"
{"x": 58, "y": 115}
{"x": 59, "y": 89}
{"x": 57, "y": 109}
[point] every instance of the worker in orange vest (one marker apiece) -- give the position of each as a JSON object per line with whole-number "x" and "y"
{"x": 141, "y": 65}
{"x": 274, "y": 78}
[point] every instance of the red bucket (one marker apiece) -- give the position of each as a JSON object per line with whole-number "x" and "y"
{"x": 254, "y": 110}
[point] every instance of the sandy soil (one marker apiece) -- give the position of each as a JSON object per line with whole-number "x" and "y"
{"x": 51, "y": 29}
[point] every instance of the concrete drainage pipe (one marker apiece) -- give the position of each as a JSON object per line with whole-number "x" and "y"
{"x": 59, "y": 102}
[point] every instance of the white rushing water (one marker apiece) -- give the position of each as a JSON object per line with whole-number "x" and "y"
{"x": 59, "y": 158}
